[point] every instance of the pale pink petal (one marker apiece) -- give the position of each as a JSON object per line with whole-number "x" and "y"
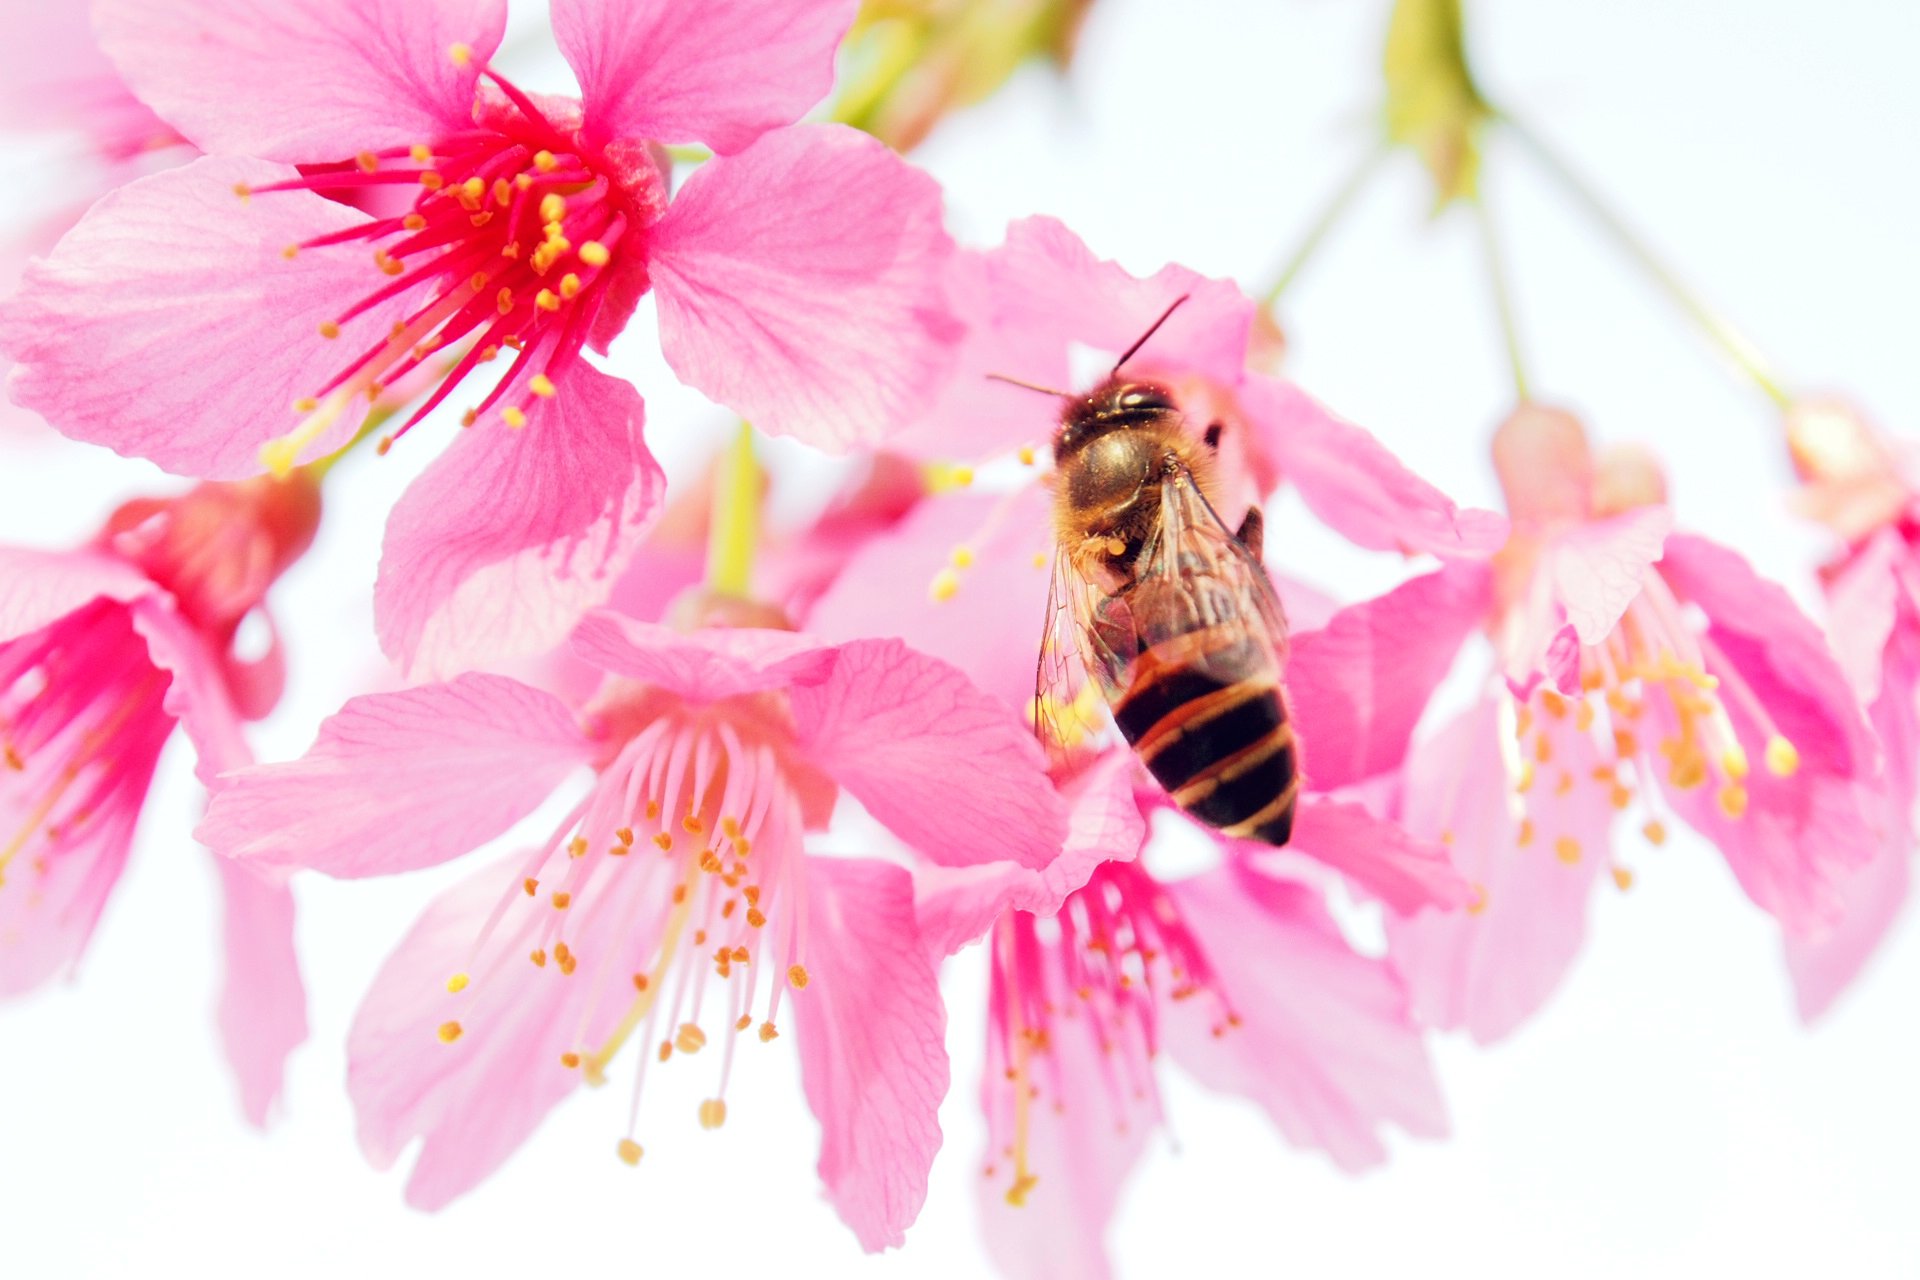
{"x": 718, "y": 72}
{"x": 1353, "y": 483}
{"x": 167, "y": 325}
{"x": 1405, "y": 872}
{"x": 513, "y": 533}
{"x": 702, "y": 666}
{"x": 948, "y": 769}
{"x": 46, "y": 919}
{"x": 1324, "y": 1043}
{"x": 873, "y": 1055}
{"x": 1597, "y": 568}
{"x": 1081, "y": 1149}
{"x": 1489, "y": 968}
{"x": 402, "y": 780}
{"x": 38, "y": 588}
{"x": 1861, "y": 608}
{"x": 303, "y": 80}
{"x": 263, "y": 1005}
{"x": 54, "y": 77}
{"x": 197, "y": 695}
{"x": 1357, "y": 687}
{"x": 991, "y": 626}
{"x": 800, "y": 284}
{"x": 957, "y": 905}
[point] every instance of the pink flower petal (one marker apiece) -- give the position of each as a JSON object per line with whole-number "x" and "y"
{"x": 1597, "y": 568}
{"x": 197, "y": 695}
{"x": 303, "y": 80}
{"x": 263, "y": 1005}
{"x": 167, "y": 325}
{"x": 53, "y": 77}
{"x": 957, "y": 905}
{"x": 1405, "y": 872}
{"x": 512, "y": 534}
{"x": 991, "y": 627}
{"x": 718, "y": 72}
{"x": 1357, "y": 687}
{"x": 704, "y": 666}
{"x": 873, "y": 1057}
{"x": 1861, "y": 610}
{"x": 800, "y": 284}
{"x": 402, "y": 780}
{"x": 38, "y": 588}
{"x": 1491, "y": 967}
{"x": 948, "y": 769}
{"x": 1324, "y": 1044}
{"x": 1353, "y": 483}
{"x": 44, "y": 932}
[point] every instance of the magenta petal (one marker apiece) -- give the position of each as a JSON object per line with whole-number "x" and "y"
{"x": 957, "y": 905}
{"x": 1403, "y": 871}
{"x": 43, "y": 933}
{"x": 402, "y": 780}
{"x": 1357, "y": 687}
{"x": 873, "y": 1056}
{"x": 719, "y": 72}
{"x": 948, "y": 769}
{"x": 302, "y": 80}
{"x": 38, "y": 588}
{"x": 263, "y": 1005}
{"x": 1324, "y": 1043}
{"x": 513, "y": 533}
{"x": 800, "y": 283}
{"x": 1353, "y": 483}
{"x": 704, "y": 666}
{"x": 167, "y": 324}
{"x": 1597, "y": 568}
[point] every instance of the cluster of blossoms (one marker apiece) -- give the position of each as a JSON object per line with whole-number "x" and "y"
{"x": 341, "y": 236}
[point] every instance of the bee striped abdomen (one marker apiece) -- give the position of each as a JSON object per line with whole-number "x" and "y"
{"x": 1220, "y": 745}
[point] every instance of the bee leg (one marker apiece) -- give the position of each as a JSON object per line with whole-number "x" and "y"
{"x": 1212, "y": 436}
{"x": 1253, "y": 534}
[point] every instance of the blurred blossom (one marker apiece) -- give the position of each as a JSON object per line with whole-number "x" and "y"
{"x": 911, "y": 63}
{"x": 1644, "y": 673}
{"x": 680, "y": 887}
{"x": 1432, "y": 103}
{"x": 799, "y": 274}
{"x": 102, "y": 652}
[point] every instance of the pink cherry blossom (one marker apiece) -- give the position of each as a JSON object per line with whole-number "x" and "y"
{"x": 102, "y": 652}
{"x": 983, "y": 557}
{"x": 1642, "y": 673}
{"x": 674, "y": 902}
{"x": 1096, "y": 965}
{"x": 799, "y": 274}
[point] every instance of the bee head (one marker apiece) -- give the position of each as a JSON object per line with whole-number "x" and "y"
{"x": 1114, "y": 405}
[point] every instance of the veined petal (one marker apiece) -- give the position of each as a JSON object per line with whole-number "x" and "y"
{"x": 705, "y": 666}
{"x": 37, "y": 588}
{"x": 1405, "y": 872}
{"x": 718, "y": 72}
{"x": 948, "y": 769}
{"x": 303, "y": 80}
{"x": 1324, "y": 1042}
{"x": 197, "y": 695}
{"x": 168, "y": 324}
{"x": 873, "y": 1056}
{"x": 402, "y": 780}
{"x": 800, "y": 283}
{"x": 513, "y": 533}
{"x": 1352, "y": 482}
{"x": 1596, "y": 568}
{"x": 263, "y": 1005}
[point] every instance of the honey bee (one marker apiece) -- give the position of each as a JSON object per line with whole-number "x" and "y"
{"x": 1171, "y": 614}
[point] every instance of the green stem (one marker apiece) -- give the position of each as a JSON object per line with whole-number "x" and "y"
{"x": 1730, "y": 340}
{"x": 735, "y": 528}
{"x": 1343, "y": 197}
{"x": 1502, "y": 296}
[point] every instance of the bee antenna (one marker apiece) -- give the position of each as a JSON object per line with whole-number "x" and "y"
{"x": 1151, "y": 330}
{"x": 1031, "y": 386}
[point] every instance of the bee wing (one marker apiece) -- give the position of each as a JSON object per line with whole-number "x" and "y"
{"x": 1086, "y": 646}
{"x": 1195, "y": 573}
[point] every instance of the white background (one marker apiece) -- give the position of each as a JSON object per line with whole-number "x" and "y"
{"x": 1666, "y": 1115}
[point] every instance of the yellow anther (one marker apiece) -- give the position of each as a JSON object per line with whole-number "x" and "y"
{"x": 291, "y": 252}
{"x": 420, "y": 152}
{"x": 624, "y": 835}
{"x": 1026, "y": 455}
{"x": 1543, "y": 749}
{"x": 666, "y": 1050}
{"x": 713, "y": 1113}
{"x": 1732, "y": 800}
{"x": 503, "y": 301}
{"x": 242, "y": 190}
{"x": 513, "y": 417}
{"x": 561, "y": 899}
{"x": 539, "y": 957}
{"x": 547, "y": 300}
{"x": 1625, "y": 745}
{"x": 577, "y": 847}
{"x": 328, "y": 329}
{"x": 544, "y": 162}
{"x": 553, "y": 207}
{"x": 1525, "y": 837}
{"x": 1567, "y": 849}
{"x": 1734, "y": 763}
{"x": 641, "y": 982}
{"x": 693, "y": 824}
{"x": 15, "y": 760}
{"x": 1583, "y": 718}
{"x": 1620, "y": 796}
{"x": 1655, "y": 831}
{"x": 595, "y": 254}
{"x": 962, "y": 557}
{"x": 665, "y": 842}
{"x": 797, "y": 977}
{"x": 1039, "y": 559}
{"x": 305, "y": 404}
{"x": 756, "y": 917}
{"x": 531, "y": 885}
{"x": 567, "y": 964}
{"x": 569, "y": 1059}
{"x": 1018, "y": 1192}
{"x": 689, "y": 1038}
{"x": 569, "y": 285}
{"x": 945, "y": 586}
{"x": 449, "y": 1032}
{"x": 462, "y": 54}
{"x": 1524, "y": 782}
{"x": 744, "y": 1021}
{"x": 768, "y": 1031}
{"x": 1622, "y": 879}
{"x": 629, "y": 1151}
{"x": 1783, "y": 758}
{"x": 431, "y": 180}
{"x": 457, "y": 983}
